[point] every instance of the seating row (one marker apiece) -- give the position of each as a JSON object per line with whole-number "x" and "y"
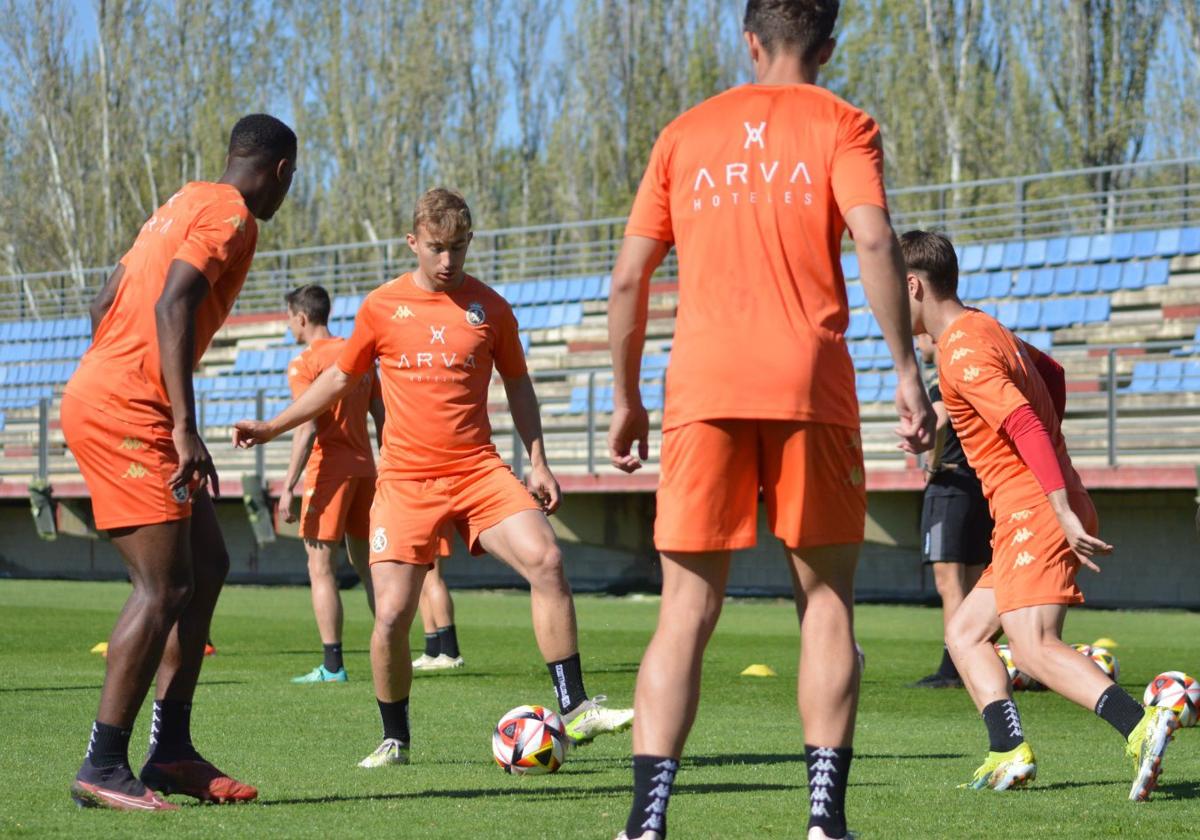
{"x": 53, "y": 373}
{"x": 1164, "y": 377}
{"x": 42, "y": 351}
{"x": 47, "y": 330}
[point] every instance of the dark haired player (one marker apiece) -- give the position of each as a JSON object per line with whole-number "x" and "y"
{"x": 1006, "y": 400}
{"x": 129, "y": 418}
{"x": 755, "y": 188}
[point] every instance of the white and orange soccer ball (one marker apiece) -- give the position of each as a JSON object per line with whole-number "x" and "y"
{"x": 1176, "y": 691}
{"x": 1019, "y": 679}
{"x": 530, "y": 741}
{"x": 1107, "y": 662}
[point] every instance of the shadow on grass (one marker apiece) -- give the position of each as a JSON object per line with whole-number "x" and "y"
{"x": 30, "y": 689}
{"x": 551, "y": 794}
{"x": 910, "y": 756}
{"x": 1179, "y": 790}
{"x": 1037, "y": 787}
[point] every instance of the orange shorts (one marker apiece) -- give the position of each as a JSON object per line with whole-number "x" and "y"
{"x": 335, "y": 507}
{"x": 126, "y": 467}
{"x": 1032, "y": 564}
{"x": 810, "y": 474}
{"x": 409, "y": 516}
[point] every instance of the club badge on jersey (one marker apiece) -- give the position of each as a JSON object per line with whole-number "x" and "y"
{"x": 476, "y": 316}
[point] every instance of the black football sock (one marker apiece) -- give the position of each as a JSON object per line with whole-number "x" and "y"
{"x": 433, "y": 644}
{"x": 333, "y": 657}
{"x": 108, "y": 747}
{"x": 448, "y": 637}
{"x": 828, "y": 774}
{"x": 1003, "y": 723}
{"x": 1120, "y": 710}
{"x": 567, "y": 676}
{"x": 947, "y": 668}
{"x": 171, "y": 732}
{"x": 653, "y": 777}
{"x": 395, "y": 719}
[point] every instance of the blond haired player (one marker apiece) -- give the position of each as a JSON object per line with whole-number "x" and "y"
{"x": 438, "y": 334}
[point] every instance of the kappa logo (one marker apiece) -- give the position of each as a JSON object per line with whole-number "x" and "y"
{"x": 960, "y": 353}
{"x": 437, "y": 335}
{"x": 135, "y": 470}
{"x": 1021, "y": 536}
{"x": 856, "y": 476}
{"x": 1021, "y": 516}
{"x": 294, "y": 371}
{"x": 971, "y": 374}
{"x": 754, "y": 134}
{"x": 1023, "y": 559}
{"x": 957, "y": 335}
{"x": 239, "y": 224}
{"x": 132, "y": 444}
{"x": 310, "y": 492}
{"x": 401, "y": 313}
{"x": 180, "y": 495}
{"x": 476, "y": 315}
{"x": 379, "y": 541}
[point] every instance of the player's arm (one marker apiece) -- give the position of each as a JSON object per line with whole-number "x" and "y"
{"x": 378, "y": 414}
{"x": 333, "y": 384}
{"x": 882, "y": 269}
{"x": 302, "y": 444}
{"x": 1052, "y": 374}
{"x": 523, "y": 406}
{"x": 939, "y": 437}
{"x": 627, "y": 312}
{"x": 105, "y": 297}
{"x": 185, "y": 289}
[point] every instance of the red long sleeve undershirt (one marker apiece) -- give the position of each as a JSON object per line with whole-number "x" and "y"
{"x": 1032, "y": 441}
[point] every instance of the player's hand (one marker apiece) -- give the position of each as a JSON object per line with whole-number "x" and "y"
{"x": 544, "y": 487}
{"x": 918, "y": 423}
{"x": 248, "y": 433}
{"x": 1082, "y": 543}
{"x": 285, "y": 505}
{"x": 195, "y": 468}
{"x": 629, "y": 424}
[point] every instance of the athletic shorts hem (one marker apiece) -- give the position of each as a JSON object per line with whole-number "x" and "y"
{"x": 735, "y": 543}
{"x": 933, "y": 561}
{"x": 1044, "y": 601}
{"x": 138, "y": 522}
{"x": 822, "y": 540}
{"x": 413, "y": 559}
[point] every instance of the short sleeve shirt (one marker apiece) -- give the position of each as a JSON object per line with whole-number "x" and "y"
{"x": 343, "y": 445}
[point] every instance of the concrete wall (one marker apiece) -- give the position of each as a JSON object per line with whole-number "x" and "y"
{"x": 607, "y": 543}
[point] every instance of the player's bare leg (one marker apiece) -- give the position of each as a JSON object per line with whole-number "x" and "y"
{"x": 322, "y": 578}
{"x": 358, "y": 552}
{"x": 437, "y": 620}
{"x": 397, "y": 591}
{"x": 526, "y": 542}
{"x": 1034, "y": 637}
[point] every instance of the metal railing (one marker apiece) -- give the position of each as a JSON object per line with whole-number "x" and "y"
{"x": 1106, "y": 424}
{"x": 1154, "y": 194}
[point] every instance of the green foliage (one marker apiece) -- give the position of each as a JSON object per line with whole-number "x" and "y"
{"x": 743, "y": 771}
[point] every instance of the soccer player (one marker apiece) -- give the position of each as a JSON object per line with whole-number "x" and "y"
{"x": 437, "y": 617}
{"x": 438, "y": 334}
{"x": 755, "y": 188}
{"x": 1007, "y": 400}
{"x": 334, "y": 452}
{"x": 129, "y": 418}
{"x": 956, "y": 528}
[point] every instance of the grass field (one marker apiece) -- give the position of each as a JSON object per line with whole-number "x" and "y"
{"x": 743, "y": 774}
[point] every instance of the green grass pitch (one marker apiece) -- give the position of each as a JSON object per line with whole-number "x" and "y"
{"x": 743, "y": 773}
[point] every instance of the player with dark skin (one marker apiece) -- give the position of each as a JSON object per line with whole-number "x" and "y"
{"x": 178, "y": 567}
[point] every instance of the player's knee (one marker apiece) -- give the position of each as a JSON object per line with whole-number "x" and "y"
{"x": 544, "y": 567}
{"x": 170, "y": 597}
{"x": 961, "y": 633}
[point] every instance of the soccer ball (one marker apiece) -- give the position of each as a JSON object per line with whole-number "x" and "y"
{"x": 1019, "y": 679}
{"x": 1176, "y": 691}
{"x": 1086, "y": 650}
{"x": 1107, "y": 662}
{"x": 530, "y": 741}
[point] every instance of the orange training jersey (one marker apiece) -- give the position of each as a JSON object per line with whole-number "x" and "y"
{"x": 436, "y": 352}
{"x": 752, "y": 186}
{"x": 986, "y": 374}
{"x": 343, "y": 447}
{"x": 205, "y": 225}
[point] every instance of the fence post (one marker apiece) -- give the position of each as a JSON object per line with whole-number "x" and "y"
{"x": 1019, "y": 198}
{"x": 591, "y": 423}
{"x": 260, "y": 452}
{"x": 1112, "y": 407}
{"x": 44, "y": 439}
{"x": 518, "y": 458}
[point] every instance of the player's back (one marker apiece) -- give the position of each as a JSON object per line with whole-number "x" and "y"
{"x": 986, "y": 374}
{"x": 204, "y": 224}
{"x": 343, "y": 447}
{"x": 752, "y": 185}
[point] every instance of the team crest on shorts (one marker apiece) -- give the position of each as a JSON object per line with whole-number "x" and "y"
{"x": 476, "y": 315}
{"x": 379, "y": 542}
{"x": 180, "y": 495}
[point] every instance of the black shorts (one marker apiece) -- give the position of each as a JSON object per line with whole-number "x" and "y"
{"x": 956, "y": 527}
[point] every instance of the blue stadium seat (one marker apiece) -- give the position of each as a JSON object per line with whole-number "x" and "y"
{"x": 1097, "y": 309}
{"x": 1170, "y": 376}
{"x": 1189, "y": 240}
{"x": 973, "y": 287}
{"x": 526, "y": 341}
{"x": 1078, "y": 249}
{"x": 1186, "y": 350}
{"x": 1144, "y": 374}
{"x": 1054, "y": 314}
{"x": 1167, "y": 244}
{"x": 652, "y": 396}
{"x": 557, "y": 315}
{"x": 573, "y": 315}
{"x": 1029, "y": 315}
{"x": 867, "y": 385}
{"x": 1144, "y": 243}
{"x": 1023, "y": 287}
{"x": 1064, "y": 280}
{"x": 1056, "y": 251}
{"x": 993, "y": 256}
{"x": 1040, "y": 339}
{"x": 1035, "y": 253}
{"x": 591, "y": 287}
{"x": 873, "y": 328}
{"x": 883, "y": 356}
{"x": 1, "y": 421}
{"x": 1158, "y": 272}
{"x": 1007, "y": 313}
{"x": 850, "y": 268}
{"x": 861, "y": 354}
{"x": 1133, "y": 275}
{"x": 856, "y": 295}
{"x": 972, "y": 259}
{"x": 1043, "y": 281}
{"x": 859, "y": 326}
{"x": 1122, "y": 246}
{"x": 988, "y": 309}
{"x": 5, "y": 329}
{"x": 542, "y": 291}
{"x": 558, "y": 290}
{"x": 575, "y": 289}
{"x": 521, "y": 294}
{"x": 605, "y": 286}
{"x": 1014, "y": 256}
{"x": 999, "y": 285}
{"x": 1101, "y": 248}
{"x": 502, "y": 290}
{"x": 247, "y": 360}
{"x": 1110, "y": 277}
{"x": 1087, "y": 279}
{"x": 1190, "y": 381}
